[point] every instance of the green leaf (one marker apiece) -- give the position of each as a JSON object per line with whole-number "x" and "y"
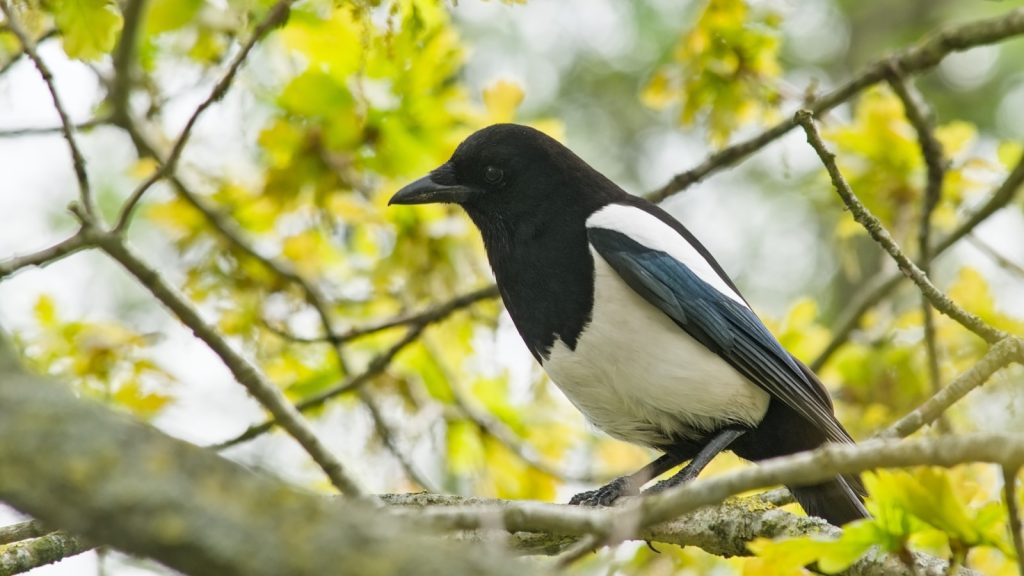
{"x": 166, "y": 15}
{"x": 89, "y": 27}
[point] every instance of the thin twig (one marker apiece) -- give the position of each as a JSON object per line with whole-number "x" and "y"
{"x": 78, "y": 161}
{"x": 999, "y": 199}
{"x": 995, "y": 255}
{"x": 275, "y": 16}
{"x": 998, "y": 357}
{"x": 825, "y": 463}
{"x": 428, "y": 316}
{"x": 885, "y": 240}
{"x": 934, "y": 158}
{"x": 501, "y": 432}
{"x": 48, "y": 130}
{"x": 880, "y": 287}
{"x": 925, "y": 55}
{"x": 376, "y": 366}
{"x": 433, "y": 313}
{"x": 1013, "y": 512}
{"x": 495, "y": 427}
{"x": 230, "y": 231}
{"x": 867, "y": 297}
{"x": 45, "y": 256}
{"x": 387, "y": 435}
{"x": 585, "y": 545}
{"x": 51, "y": 33}
{"x": 244, "y": 372}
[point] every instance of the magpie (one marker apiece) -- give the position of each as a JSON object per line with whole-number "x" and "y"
{"x": 633, "y": 319}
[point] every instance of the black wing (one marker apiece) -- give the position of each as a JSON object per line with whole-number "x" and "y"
{"x": 725, "y": 326}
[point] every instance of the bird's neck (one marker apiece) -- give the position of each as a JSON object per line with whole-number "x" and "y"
{"x": 545, "y": 274}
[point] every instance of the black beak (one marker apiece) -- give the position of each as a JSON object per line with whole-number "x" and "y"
{"x": 427, "y": 191}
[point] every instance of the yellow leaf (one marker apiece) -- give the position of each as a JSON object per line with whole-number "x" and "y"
{"x": 779, "y": 558}
{"x": 502, "y": 99}
{"x": 465, "y": 451}
{"x": 144, "y": 167}
{"x": 139, "y": 402}
{"x": 46, "y": 311}
{"x": 658, "y": 93}
{"x": 955, "y": 136}
{"x": 1009, "y": 153}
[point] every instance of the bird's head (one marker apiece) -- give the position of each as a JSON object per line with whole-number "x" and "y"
{"x": 503, "y": 171}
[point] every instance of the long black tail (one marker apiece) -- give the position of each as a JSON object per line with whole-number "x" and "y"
{"x": 838, "y": 501}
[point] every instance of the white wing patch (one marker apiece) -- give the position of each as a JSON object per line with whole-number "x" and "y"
{"x": 641, "y": 378}
{"x": 648, "y": 230}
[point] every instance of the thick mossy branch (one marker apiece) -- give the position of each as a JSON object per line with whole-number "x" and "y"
{"x": 25, "y": 555}
{"x": 77, "y": 465}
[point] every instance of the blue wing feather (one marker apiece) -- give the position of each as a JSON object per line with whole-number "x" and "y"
{"x": 720, "y": 323}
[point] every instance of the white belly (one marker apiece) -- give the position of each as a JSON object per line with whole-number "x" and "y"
{"x": 639, "y": 377}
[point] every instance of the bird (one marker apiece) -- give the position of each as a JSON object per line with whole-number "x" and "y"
{"x": 633, "y": 319}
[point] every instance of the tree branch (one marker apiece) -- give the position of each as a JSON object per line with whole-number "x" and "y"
{"x": 134, "y": 473}
{"x": 826, "y": 462}
{"x": 921, "y": 119}
{"x": 995, "y": 255}
{"x": 28, "y": 554}
{"x": 1013, "y": 513}
{"x": 925, "y": 55}
{"x": 224, "y": 225}
{"x": 78, "y": 161}
{"x": 100, "y": 474}
{"x": 123, "y": 57}
{"x": 1004, "y": 352}
{"x": 22, "y": 531}
{"x": 884, "y": 283}
{"x": 17, "y": 57}
{"x": 494, "y": 427}
{"x": 45, "y": 256}
{"x": 275, "y": 16}
{"x": 376, "y": 366}
{"x": 636, "y": 515}
{"x": 878, "y": 232}
{"x": 47, "y": 130}
{"x": 430, "y": 315}
{"x": 387, "y": 436}
{"x": 244, "y": 372}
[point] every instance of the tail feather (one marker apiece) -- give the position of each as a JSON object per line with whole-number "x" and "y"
{"x": 837, "y": 501}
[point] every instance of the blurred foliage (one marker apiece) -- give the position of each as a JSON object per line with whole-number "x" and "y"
{"x": 921, "y": 510}
{"x": 881, "y": 158}
{"x": 89, "y": 28}
{"x": 723, "y": 70}
{"x": 103, "y": 360}
{"x": 347, "y": 101}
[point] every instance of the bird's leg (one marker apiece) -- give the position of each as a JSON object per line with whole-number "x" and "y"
{"x": 720, "y": 441}
{"x": 626, "y": 485}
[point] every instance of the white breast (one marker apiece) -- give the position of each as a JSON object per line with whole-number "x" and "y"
{"x": 638, "y": 376}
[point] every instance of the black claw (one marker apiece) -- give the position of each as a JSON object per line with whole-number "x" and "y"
{"x": 605, "y": 495}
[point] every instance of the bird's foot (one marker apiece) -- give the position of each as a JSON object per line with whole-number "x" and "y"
{"x": 605, "y": 495}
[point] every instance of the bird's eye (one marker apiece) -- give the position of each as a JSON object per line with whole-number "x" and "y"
{"x": 493, "y": 175}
